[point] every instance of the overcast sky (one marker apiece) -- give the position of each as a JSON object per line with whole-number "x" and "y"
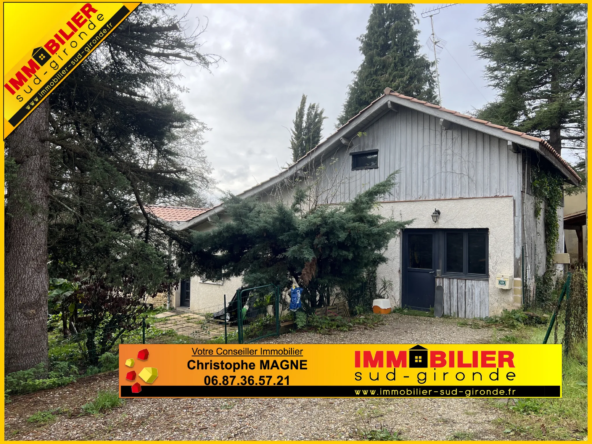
{"x": 275, "y": 53}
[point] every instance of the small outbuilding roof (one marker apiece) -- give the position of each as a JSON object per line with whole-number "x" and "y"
{"x": 174, "y": 213}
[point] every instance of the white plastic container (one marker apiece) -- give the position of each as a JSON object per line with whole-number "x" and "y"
{"x": 381, "y": 306}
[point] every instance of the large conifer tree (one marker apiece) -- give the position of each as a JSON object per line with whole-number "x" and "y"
{"x": 306, "y": 132}
{"x": 536, "y": 61}
{"x": 109, "y": 144}
{"x": 325, "y": 249}
{"x": 391, "y": 58}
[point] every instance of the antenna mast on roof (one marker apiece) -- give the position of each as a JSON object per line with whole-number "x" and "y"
{"x": 435, "y": 42}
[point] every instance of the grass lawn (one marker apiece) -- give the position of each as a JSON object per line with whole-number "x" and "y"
{"x": 548, "y": 419}
{"x": 536, "y": 419}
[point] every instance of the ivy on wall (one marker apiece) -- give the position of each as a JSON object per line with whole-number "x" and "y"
{"x": 547, "y": 188}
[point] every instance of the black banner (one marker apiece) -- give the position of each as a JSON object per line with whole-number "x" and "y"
{"x": 434, "y": 391}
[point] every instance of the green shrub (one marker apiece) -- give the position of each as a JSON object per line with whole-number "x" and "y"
{"x": 509, "y": 339}
{"x": 104, "y": 401}
{"x": 300, "y": 319}
{"x": 576, "y": 312}
{"x": 92, "y": 370}
{"x": 527, "y": 406}
{"x": 38, "y": 378}
{"x": 109, "y": 362}
{"x": 42, "y": 417}
{"x": 515, "y": 319}
{"x": 259, "y": 326}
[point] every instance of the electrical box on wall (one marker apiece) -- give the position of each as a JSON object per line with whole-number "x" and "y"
{"x": 503, "y": 281}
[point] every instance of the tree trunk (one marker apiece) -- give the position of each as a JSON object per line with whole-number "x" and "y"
{"x": 555, "y": 139}
{"x": 26, "y": 211}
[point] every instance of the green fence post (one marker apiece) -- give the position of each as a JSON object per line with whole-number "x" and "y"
{"x": 225, "y": 328}
{"x": 239, "y": 309}
{"x": 143, "y": 330}
{"x": 277, "y": 311}
{"x": 564, "y": 292}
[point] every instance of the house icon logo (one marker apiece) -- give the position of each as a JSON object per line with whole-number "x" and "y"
{"x": 41, "y": 56}
{"x": 418, "y": 357}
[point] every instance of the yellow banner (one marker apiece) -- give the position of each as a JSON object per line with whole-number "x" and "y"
{"x": 340, "y": 370}
{"x": 38, "y": 58}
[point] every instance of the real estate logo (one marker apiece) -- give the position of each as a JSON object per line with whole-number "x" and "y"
{"x": 69, "y": 40}
{"x": 418, "y": 357}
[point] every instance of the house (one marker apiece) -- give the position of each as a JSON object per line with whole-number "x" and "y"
{"x": 196, "y": 294}
{"x": 465, "y": 183}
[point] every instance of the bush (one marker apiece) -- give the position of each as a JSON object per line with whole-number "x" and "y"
{"x": 42, "y": 417}
{"x": 516, "y": 319}
{"x": 109, "y": 362}
{"x": 259, "y": 326}
{"x": 110, "y": 312}
{"x": 300, "y": 319}
{"x": 576, "y": 312}
{"x": 527, "y": 406}
{"x": 92, "y": 370}
{"x": 104, "y": 401}
{"x": 38, "y": 378}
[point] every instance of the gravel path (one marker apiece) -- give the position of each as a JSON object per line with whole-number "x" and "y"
{"x": 398, "y": 329}
{"x": 269, "y": 419}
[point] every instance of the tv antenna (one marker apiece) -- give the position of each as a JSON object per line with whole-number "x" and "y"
{"x": 435, "y": 42}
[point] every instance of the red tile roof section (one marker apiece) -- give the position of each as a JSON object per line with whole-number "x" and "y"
{"x": 174, "y": 214}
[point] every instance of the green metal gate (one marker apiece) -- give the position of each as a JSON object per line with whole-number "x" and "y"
{"x": 258, "y": 325}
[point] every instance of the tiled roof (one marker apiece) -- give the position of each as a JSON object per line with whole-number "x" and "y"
{"x": 174, "y": 214}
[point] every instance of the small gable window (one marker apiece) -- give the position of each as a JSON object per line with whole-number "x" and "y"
{"x": 365, "y": 160}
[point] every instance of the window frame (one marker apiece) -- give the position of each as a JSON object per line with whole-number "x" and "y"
{"x": 360, "y": 154}
{"x": 465, "y": 273}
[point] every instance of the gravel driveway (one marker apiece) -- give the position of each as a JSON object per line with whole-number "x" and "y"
{"x": 269, "y": 419}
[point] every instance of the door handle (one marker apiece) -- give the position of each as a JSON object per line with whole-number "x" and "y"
{"x": 432, "y": 272}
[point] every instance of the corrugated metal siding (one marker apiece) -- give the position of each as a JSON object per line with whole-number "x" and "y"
{"x": 433, "y": 163}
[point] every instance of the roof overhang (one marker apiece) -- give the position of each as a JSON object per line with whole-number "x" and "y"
{"x": 575, "y": 221}
{"x": 385, "y": 104}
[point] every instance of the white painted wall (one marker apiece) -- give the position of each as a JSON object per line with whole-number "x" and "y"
{"x": 208, "y": 297}
{"x": 495, "y": 214}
